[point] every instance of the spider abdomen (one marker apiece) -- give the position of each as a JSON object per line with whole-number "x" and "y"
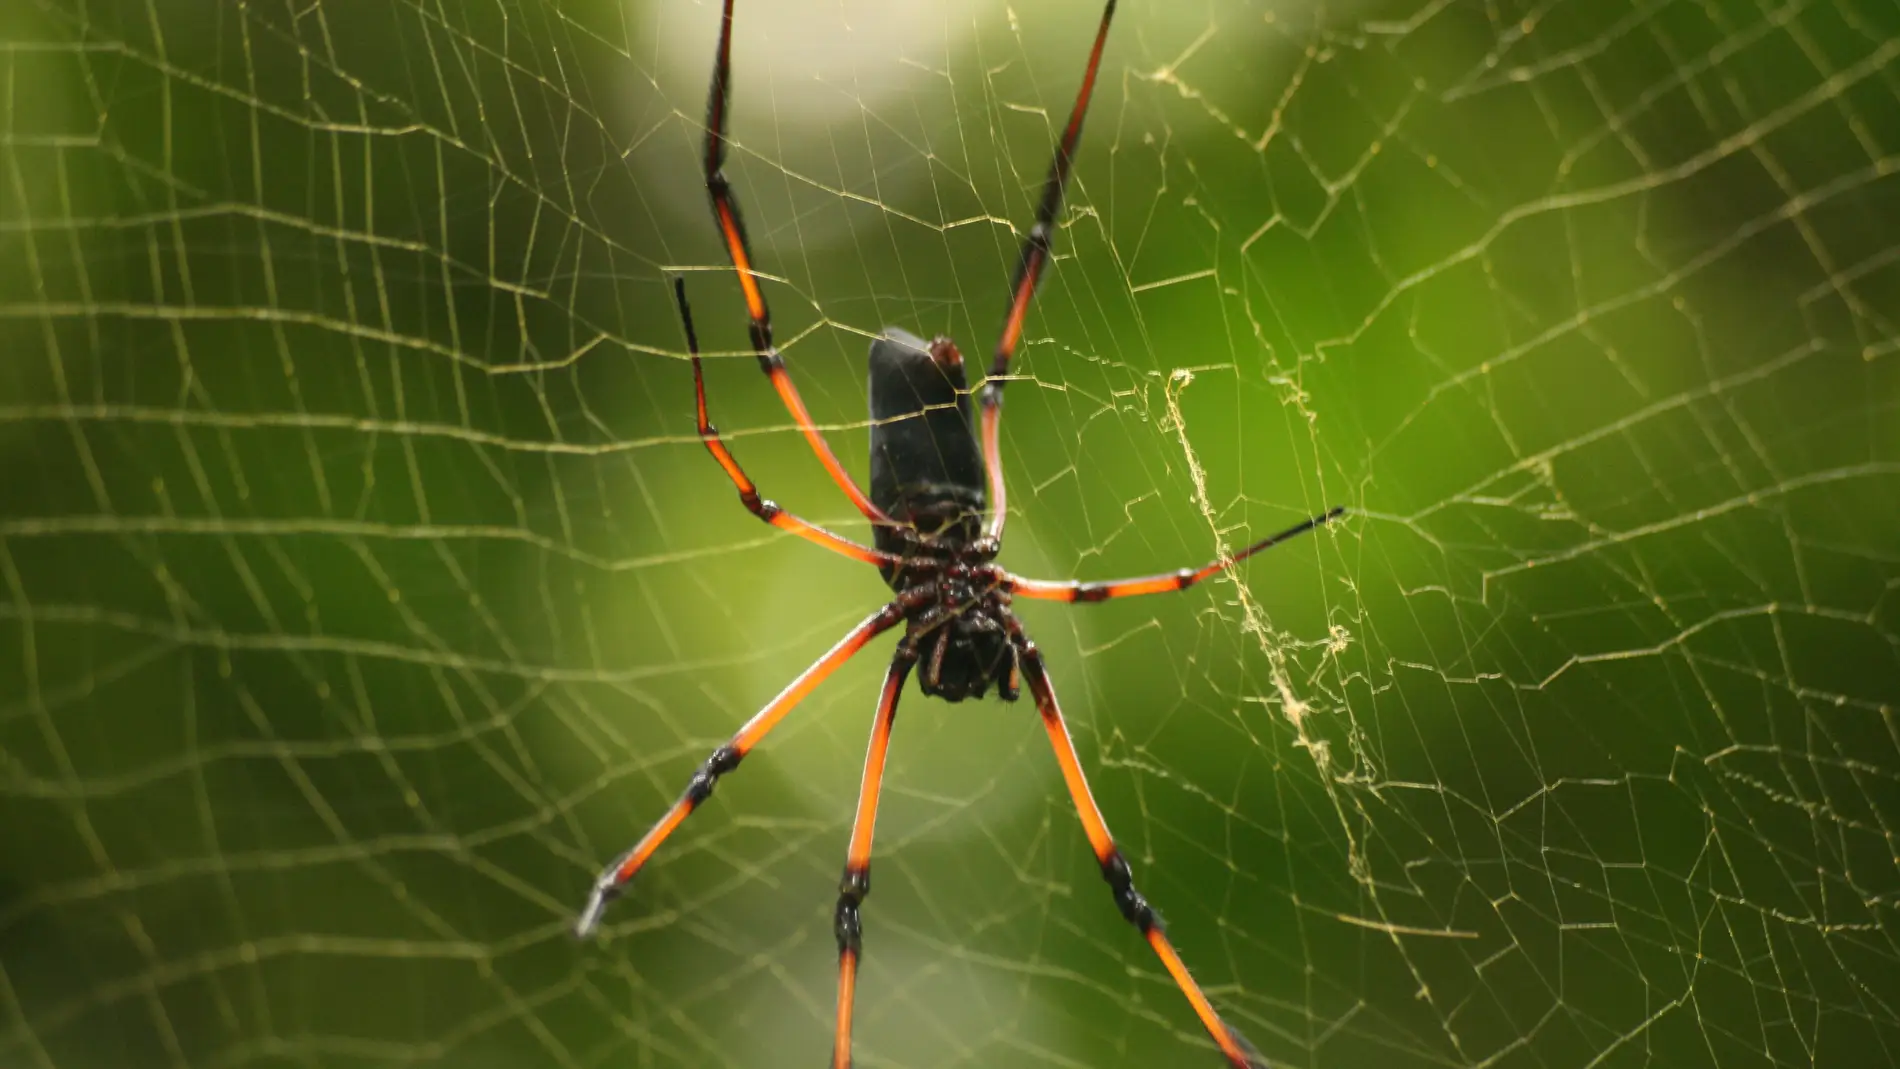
{"x": 926, "y": 469}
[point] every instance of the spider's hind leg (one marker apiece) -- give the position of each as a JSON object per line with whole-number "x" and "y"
{"x": 725, "y": 208}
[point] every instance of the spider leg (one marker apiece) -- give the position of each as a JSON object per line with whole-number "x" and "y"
{"x": 749, "y": 493}
{"x": 1235, "y": 1048}
{"x": 1035, "y": 256}
{"x": 856, "y": 881}
{"x": 1168, "y": 582}
{"x": 732, "y": 230}
{"x": 614, "y": 879}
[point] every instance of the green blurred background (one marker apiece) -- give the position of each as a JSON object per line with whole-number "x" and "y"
{"x": 363, "y": 587}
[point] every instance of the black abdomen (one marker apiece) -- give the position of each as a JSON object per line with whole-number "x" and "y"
{"x": 926, "y": 469}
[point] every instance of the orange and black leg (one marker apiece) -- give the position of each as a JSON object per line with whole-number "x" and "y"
{"x": 856, "y": 882}
{"x": 732, "y": 231}
{"x": 748, "y": 493}
{"x": 613, "y": 881}
{"x": 1035, "y": 256}
{"x": 1166, "y": 583}
{"x": 1238, "y": 1052}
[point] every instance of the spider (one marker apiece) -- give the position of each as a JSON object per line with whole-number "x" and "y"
{"x": 936, "y": 535}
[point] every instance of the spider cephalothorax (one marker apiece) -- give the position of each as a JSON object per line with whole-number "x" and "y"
{"x": 961, "y": 634}
{"x": 936, "y": 509}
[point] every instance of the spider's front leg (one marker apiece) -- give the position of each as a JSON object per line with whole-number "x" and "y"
{"x": 613, "y": 881}
{"x": 1239, "y": 1053}
{"x": 855, "y": 884}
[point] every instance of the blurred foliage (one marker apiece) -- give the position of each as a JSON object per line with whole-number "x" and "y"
{"x": 365, "y": 587}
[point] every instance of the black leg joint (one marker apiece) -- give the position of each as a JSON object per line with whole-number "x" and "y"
{"x": 761, "y": 334}
{"x": 722, "y": 761}
{"x": 846, "y": 923}
{"x": 1135, "y": 909}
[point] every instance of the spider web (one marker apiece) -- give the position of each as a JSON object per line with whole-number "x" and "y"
{"x": 365, "y": 587}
